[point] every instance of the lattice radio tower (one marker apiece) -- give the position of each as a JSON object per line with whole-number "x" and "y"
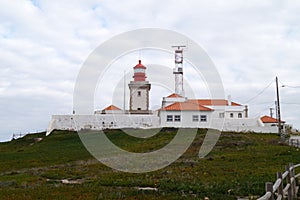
{"x": 178, "y": 70}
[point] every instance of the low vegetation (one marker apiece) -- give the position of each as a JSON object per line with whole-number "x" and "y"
{"x": 59, "y": 167}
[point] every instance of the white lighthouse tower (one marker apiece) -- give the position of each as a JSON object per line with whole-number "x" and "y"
{"x": 139, "y": 91}
{"x": 178, "y": 70}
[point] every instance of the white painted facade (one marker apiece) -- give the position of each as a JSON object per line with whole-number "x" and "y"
{"x": 233, "y": 112}
{"x": 139, "y": 95}
{"x": 185, "y": 119}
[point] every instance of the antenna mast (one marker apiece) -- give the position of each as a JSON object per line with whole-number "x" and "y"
{"x": 178, "y": 70}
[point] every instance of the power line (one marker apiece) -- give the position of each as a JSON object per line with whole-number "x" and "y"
{"x": 290, "y": 103}
{"x": 262, "y": 110}
{"x": 263, "y": 103}
{"x": 254, "y": 97}
{"x": 289, "y": 86}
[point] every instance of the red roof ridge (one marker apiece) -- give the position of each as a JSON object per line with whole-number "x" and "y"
{"x": 186, "y": 106}
{"x": 174, "y": 95}
{"x": 268, "y": 119}
{"x": 111, "y": 107}
{"x": 214, "y": 102}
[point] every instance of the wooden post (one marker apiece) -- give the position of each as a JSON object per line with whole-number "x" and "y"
{"x": 269, "y": 188}
{"x": 280, "y": 188}
{"x": 288, "y": 180}
{"x": 294, "y": 180}
{"x": 278, "y": 111}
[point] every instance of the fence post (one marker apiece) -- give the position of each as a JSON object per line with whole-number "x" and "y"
{"x": 288, "y": 180}
{"x": 294, "y": 180}
{"x": 269, "y": 188}
{"x": 280, "y": 188}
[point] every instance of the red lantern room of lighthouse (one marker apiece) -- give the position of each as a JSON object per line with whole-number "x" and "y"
{"x": 139, "y": 72}
{"x": 139, "y": 91}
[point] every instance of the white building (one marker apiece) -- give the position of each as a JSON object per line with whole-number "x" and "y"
{"x": 176, "y": 111}
{"x": 180, "y": 111}
{"x": 272, "y": 122}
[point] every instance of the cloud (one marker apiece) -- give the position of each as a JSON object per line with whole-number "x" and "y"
{"x": 44, "y": 43}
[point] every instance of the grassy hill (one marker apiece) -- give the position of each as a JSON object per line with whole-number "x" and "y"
{"x": 59, "y": 167}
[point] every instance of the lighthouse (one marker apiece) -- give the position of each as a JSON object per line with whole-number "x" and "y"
{"x": 139, "y": 91}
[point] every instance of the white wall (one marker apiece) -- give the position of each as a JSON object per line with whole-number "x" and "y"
{"x": 213, "y": 121}
{"x": 247, "y": 125}
{"x": 227, "y": 110}
{"x": 141, "y": 101}
{"x": 98, "y": 122}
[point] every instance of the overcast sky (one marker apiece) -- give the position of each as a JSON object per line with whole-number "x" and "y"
{"x": 44, "y": 43}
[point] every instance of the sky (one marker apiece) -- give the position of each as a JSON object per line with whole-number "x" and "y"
{"x": 43, "y": 45}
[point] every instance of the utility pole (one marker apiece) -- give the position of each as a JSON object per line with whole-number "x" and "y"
{"x": 124, "y": 91}
{"x": 278, "y": 109}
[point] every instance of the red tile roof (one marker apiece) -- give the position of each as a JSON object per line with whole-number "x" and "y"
{"x": 186, "y": 106}
{"x": 214, "y": 102}
{"x": 174, "y": 96}
{"x": 267, "y": 119}
{"x": 112, "y": 107}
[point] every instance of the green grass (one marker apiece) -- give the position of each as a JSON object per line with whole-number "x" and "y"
{"x": 238, "y": 166}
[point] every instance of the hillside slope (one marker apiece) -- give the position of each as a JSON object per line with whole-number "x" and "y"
{"x": 59, "y": 167}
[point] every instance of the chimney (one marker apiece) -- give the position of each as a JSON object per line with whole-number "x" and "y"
{"x": 246, "y": 111}
{"x": 229, "y": 100}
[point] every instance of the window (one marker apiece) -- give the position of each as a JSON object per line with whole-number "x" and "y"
{"x": 231, "y": 115}
{"x": 240, "y": 115}
{"x": 139, "y": 93}
{"x": 169, "y": 118}
{"x": 177, "y": 118}
{"x": 203, "y": 118}
{"x": 139, "y": 70}
{"x": 195, "y": 118}
{"x": 221, "y": 115}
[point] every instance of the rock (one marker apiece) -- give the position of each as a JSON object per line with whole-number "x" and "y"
{"x": 8, "y": 183}
{"x": 147, "y": 188}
